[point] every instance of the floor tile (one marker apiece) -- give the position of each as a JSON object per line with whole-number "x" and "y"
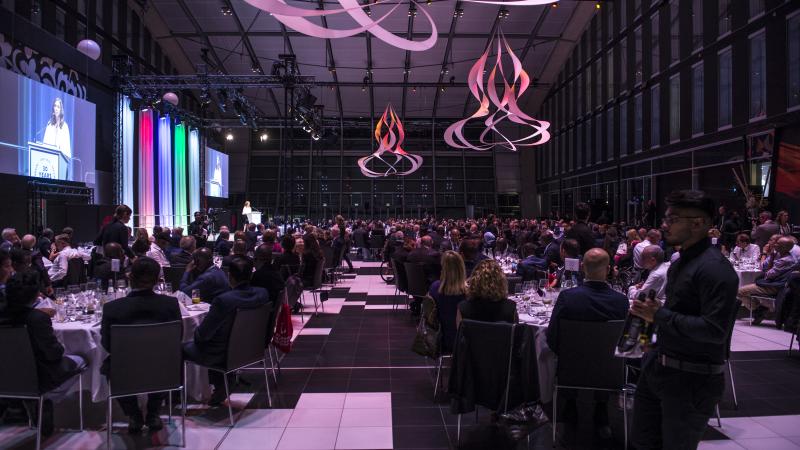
{"x": 719, "y": 445}
{"x": 365, "y": 438}
{"x": 368, "y": 400}
{"x": 379, "y": 307}
{"x": 777, "y": 443}
{"x": 312, "y": 417}
{"x": 264, "y": 418}
{"x": 367, "y": 417}
{"x": 786, "y": 426}
{"x": 252, "y": 438}
{"x": 745, "y": 428}
{"x": 308, "y": 439}
{"x": 315, "y": 331}
{"x": 321, "y": 401}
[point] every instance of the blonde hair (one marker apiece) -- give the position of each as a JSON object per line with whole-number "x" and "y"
{"x": 454, "y": 275}
{"x": 488, "y": 282}
{"x": 632, "y": 235}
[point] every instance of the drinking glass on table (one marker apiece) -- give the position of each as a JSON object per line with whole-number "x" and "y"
{"x": 195, "y": 296}
{"x": 122, "y": 287}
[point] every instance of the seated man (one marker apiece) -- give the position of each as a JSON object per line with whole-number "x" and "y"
{"x": 653, "y": 261}
{"x": 428, "y": 257}
{"x": 183, "y": 257}
{"x": 202, "y": 274}
{"x": 774, "y": 279}
{"x": 64, "y": 252}
{"x": 744, "y": 250}
{"x": 567, "y": 249}
{"x": 103, "y": 267}
{"x": 160, "y": 249}
{"x": 139, "y": 307}
{"x": 593, "y": 301}
{"x": 222, "y": 246}
{"x": 56, "y": 371}
{"x": 210, "y": 345}
{"x": 530, "y": 263}
{"x": 239, "y": 249}
{"x": 268, "y": 276}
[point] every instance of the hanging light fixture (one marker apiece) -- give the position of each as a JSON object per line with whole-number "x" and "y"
{"x": 89, "y": 48}
{"x": 390, "y": 152}
{"x": 170, "y": 97}
{"x": 493, "y": 109}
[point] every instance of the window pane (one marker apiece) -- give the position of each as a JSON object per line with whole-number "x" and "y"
{"x": 655, "y": 116}
{"x": 674, "y": 108}
{"x": 637, "y": 8}
{"x": 623, "y": 14}
{"x": 610, "y": 75}
{"x": 725, "y": 89}
{"x": 758, "y": 86}
{"x": 655, "y": 63}
{"x": 637, "y": 123}
{"x": 697, "y": 24}
{"x": 589, "y": 86}
{"x": 724, "y": 16}
{"x": 598, "y": 82}
{"x": 609, "y": 7}
{"x": 623, "y": 64}
{"x": 697, "y": 99}
{"x": 637, "y": 68}
{"x": 623, "y": 129}
{"x": 674, "y": 32}
{"x": 598, "y": 33}
{"x": 598, "y": 138}
{"x": 756, "y": 8}
{"x": 610, "y": 135}
{"x": 579, "y": 94}
{"x": 793, "y": 37}
{"x": 579, "y": 146}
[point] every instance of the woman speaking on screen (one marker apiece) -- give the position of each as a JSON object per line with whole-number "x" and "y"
{"x": 57, "y": 131}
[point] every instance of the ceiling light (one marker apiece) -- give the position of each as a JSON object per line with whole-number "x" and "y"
{"x": 414, "y": 90}
{"x": 442, "y": 88}
{"x": 226, "y": 10}
{"x": 503, "y": 14}
{"x": 264, "y": 136}
{"x": 229, "y": 136}
{"x": 597, "y": 5}
{"x": 554, "y": 5}
{"x": 459, "y": 13}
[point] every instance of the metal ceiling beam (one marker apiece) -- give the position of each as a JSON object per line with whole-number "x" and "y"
{"x": 447, "y": 51}
{"x": 329, "y": 51}
{"x": 497, "y": 20}
{"x": 251, "y": 52}
{"x": 407, "y": 64}
{"x": 290, "y": 33}
{"x": 369, "y": 74}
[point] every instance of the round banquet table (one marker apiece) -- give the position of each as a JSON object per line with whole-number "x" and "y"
{"x": 545, "y": 358}
{"x": 747, "y": 276}
{"x": 83, "y": 339}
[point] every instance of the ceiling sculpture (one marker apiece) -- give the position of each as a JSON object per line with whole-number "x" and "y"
{"x": 390, "y": 154}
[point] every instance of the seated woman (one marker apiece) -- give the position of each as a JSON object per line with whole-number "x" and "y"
{"x": 487, "y": 296}
{"x": 312, "y": 257}
{"x": 288, "y": 262}
{"x": 448, "y": 291}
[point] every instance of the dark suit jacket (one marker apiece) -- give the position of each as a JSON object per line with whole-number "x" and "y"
{"x": 761, "y": 234}
{"x": 287, "y": 263}
{"x": 431, "y": 261}
{"x": 139, "y": 307}
{"x": 223, "y": 247}
{"x": 211, "y": 337}
{"x": 115, "y": 231}
{"x": 552, "y": 254}
{"x": 581, "y": 233}
{"x": 251, "y": 237}
{"x": 593, "y": 301}
{"x": 211, "y": 283}
{"x": 51, "y": 365}
{"x": 181, "y": 258}
{"x": 269, "y": 278}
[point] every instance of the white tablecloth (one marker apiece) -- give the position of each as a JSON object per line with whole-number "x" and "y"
{"x": 83, "y": 339}
{"x": 545, "y": 358}
{"x": 747, "y": 276}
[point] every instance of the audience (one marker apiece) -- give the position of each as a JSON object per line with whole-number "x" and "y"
{"x": 160, "y": 249}
{"x": 288, "y": 262}
{"x": 223, "y": 245}
{"x": 202, "y": 274}
{"x": 652, "y": 237}
{"x": 764, "y": 230}
{"x": 777, "y": 273}
{"x": 141, "y": 306}
{"x": 744, "y": 250}
{"x": 183, "y": 257}
{"x": 10, "y": 239}
{"x": 64, "y": 252}
{"x": 429, "y": 258}
{"x": 267, "y": 276}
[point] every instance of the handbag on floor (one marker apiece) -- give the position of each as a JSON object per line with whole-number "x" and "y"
{"x": 282, "y": 339}
{"x": 429, "y": 332}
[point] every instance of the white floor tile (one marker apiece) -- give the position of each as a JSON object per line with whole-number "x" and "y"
{"x": 365, "y": 438}
{"x": 321, "y": 401}
{"x": 252, "y": 438}
{"x": 240, "y": 400}
{"x": 723, "y": 444}
{"x": 308, "y": 439}
{"x": 777, "y": 443}
{"x": 380, "y": 307}
{"x": 314, "y": 418}
{"x": 264, "y": 418}
{"x": 786, "y": 426}
{"x": 354, "y": 303}
{"x": 368, "y": 400}
{"x": 367, "y": 417}
{"x": 315, "y": 331}
{"x": 745, "y": 428}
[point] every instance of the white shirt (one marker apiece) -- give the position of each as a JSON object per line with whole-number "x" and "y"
{"x": 751, "y": 252}
{"x": 157, "y": 253}
{"x": 58, "y": 137}
{"x": 637, "y": 252}
{"x": 795, "y": 252}
{"x": 59, "y": 268}
{"x": 246, "y": 210}
{"x": 656, "y": 280}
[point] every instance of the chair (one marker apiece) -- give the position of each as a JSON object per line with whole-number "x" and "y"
{"x": 586, "y": 361}
{"x": 146, "y": 359}
{"x": 20, "y": 380}
{"x": 271, "y": 323}
{"x": 728, "y": 363}
{"x": 76, "y": 272}
{"x": 487, "y": 346}
{"x": 416, "y": 279}
{"x": 316, "y": 286}
{"x": 376, "y": 242}
{"x": 173, "y": 275}
{"x": 401, "y": 281}
{"x": 330, "y": 265}
{"x": 245, "y": 347}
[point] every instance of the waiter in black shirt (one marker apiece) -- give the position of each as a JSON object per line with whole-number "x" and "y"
{"x": 199, "y": 229}
{"x": 682, "y": 375}
{"x": 117, "y": 231}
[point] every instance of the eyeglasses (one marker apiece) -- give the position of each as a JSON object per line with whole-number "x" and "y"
{"x": 669, "y": 220}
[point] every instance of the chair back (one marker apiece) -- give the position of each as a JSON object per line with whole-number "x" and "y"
{"x": 76, "y": 272}
{"x": 488, "y": 346}
{"x": 173, "y": 275}
{"x": 376, "y": 241}
{"x": 586, "y": 355}
{"x": 318, "y": 275}
{"x": 146, "y": 357}
{"x": 327, "y": 252}
{"x": 248, "y": 336}
{"x": 273, "y": 315}
{"x": 21, "y": 377}
{"x": 513, "y": 281}
{"x": 417, "y": 283}
{"x": 360, "y": 240}
{"x": 400, "y": 277}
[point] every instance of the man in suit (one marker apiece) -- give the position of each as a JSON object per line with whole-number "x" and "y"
{"x": 223, "y": 245}
{"x": 360, "y": 235}
{"x": 653, "y": 262}
{"x": 141, "y": 306}
{"x": 210, "y": 345}
{"x": 594, "y": 301}
{"x": 766, "y": 228}
{"x": 251, "y": 236}
{"x": 10, "y": 239}
{"x": 239, "y": 249}
{"x": 530, "y": 263}
{"x": 430, "y": 259}
{"x": 103, "y": 266}
{"x": 267, "y": 276}
{"x": 202, "y": 274}
{"x": 117, "y": 231}
{"x": 182, "y": 258}
{"x": 199, "y": 229}
{"x": 581, "y": 231}
{"x": 176, "y": 236}
{"x": 55, "y": 369}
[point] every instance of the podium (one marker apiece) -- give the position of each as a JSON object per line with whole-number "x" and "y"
{"x": 254, "y": 217}
{"x": 47, "y": 161}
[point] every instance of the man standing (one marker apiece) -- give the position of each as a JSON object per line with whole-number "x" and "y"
{"x": 139, "y": 307}
{"x": 581, "y": 231}
{"x": 117, "y": 231}
{"x": 199, "y": 229}
{"x": 682, "y": 377}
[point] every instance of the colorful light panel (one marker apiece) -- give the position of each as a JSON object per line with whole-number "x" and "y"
{"x": 181, "y": 213}
{"x": 147, "y": 207}
{"x": 194, "y": 171}
{"x": 128, "y": 129}
{"x": 165, "y": 172}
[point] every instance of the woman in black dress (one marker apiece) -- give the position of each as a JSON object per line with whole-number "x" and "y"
{"x": 487, "y": 296}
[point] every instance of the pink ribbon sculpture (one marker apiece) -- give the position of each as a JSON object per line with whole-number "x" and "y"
{"x": 506, "y": 109}
{"x": 389, "y": 142}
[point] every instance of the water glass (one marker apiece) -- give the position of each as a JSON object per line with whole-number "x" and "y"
{"x": 195, "y": 296}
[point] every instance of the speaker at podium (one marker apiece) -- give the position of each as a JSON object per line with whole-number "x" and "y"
{"x": 47, "y": 161}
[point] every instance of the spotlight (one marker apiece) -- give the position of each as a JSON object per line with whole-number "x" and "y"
{"x": 263, "y": 137}
{"x": 597, "y": 5}
{"x": 503, "y": 14}
{"x": 554, "y": 5}
{"x": 458, "y": 13}
{"x": 226, "y": 11}
{"x": 413, "y": 89}
{"x": 442, "y": 88}
{"x": 229, "y": 136}
{"x": 35, "y": 8}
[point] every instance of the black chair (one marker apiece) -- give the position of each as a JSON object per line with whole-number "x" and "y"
{"x": 327, "y": 253}
{"x": 315, "y": 287}
{"x": 173, "y": 276}
{"x": 76, "y": 272}
{"x": 245, "y": 347}
{"x": 586, "y": 361}
{"x": 376, "y": 242}
{"x": 146, "y": 359}
{"x": 20, "y": 380}
{"x": 485, "y": 349}
{"x": 401, "y": 281}
{"x": 273, "y": 319}
{"x": 417, "y": 282}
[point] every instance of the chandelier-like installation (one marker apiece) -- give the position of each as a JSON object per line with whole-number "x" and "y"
{"x": 297, "y": 19}
{"x": 506, "y": 109}
{"x": 389, "y": 148}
